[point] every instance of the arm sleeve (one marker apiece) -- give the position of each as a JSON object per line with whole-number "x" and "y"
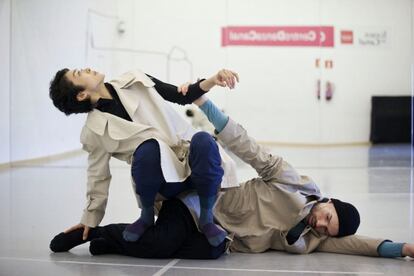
{"x": 99, "y": 177}
{"x": 214, "y": 115}
{"x": 169, "y": 92}
{"x": 269, "y": 167}
{"x": 236, "y": 139}
{"x": 353, "y": 245}
{"x": 389, "y": 249}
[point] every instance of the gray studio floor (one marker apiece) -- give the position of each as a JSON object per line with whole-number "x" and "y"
{"x": 39, "y": 201}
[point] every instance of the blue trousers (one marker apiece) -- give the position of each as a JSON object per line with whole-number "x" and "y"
{"x": 204, "y": 161}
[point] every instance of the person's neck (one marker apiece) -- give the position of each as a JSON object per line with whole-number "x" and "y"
{"x": 101, "y": 92}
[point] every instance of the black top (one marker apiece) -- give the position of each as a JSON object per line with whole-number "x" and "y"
{"x": 114, "y": 105}
{"x": 167, "y": 91}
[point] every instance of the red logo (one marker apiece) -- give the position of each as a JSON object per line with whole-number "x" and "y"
{"x": 313, "y": 36}
{"x": 347, "y": 37}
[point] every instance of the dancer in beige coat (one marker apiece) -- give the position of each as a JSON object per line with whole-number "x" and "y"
{"x": 281, "y": 209}
{"x": 123, "y": 115}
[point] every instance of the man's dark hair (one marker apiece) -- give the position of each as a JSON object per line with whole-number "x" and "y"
{"x": 63, "y": 94}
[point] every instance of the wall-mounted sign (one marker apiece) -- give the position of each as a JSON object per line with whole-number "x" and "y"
{"x": 376, "y": 37}
{"x": 373, "y": 37}
{"x": 347, "y": 37}
{"x": 306, "y": 36}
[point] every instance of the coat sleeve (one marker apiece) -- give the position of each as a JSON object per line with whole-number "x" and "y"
{"x": 236, "y": 139}
{"x": 353, "y": 245}
{"x": 272, "y": 168}
{"x": 169, "y": 92}
{"x": 99, "y": 177}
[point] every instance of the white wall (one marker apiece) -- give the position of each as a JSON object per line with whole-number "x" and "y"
{"x": 283, "y": 80}
{"x": 47, "y": 35}
{"x": 276, "y": 96}
{"x": 278, "y": 83}
{"x": 4, "y": 81}
{"x": 362, "y": 72}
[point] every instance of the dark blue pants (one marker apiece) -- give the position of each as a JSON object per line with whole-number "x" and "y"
{"x": 205, "y": 164}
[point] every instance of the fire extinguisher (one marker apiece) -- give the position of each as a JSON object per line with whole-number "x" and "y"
{"x": 329, "y": 91}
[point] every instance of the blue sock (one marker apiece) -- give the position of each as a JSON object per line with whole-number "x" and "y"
{"x": 135, "y": 230}
{"x": 214, "y": 234}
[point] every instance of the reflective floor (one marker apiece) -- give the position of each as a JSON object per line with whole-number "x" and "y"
{"x": 39, "y": 201}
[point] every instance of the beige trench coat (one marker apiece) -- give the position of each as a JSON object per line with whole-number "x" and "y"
{"x": 261, "y": 211}
{"x": 105, "y": 135}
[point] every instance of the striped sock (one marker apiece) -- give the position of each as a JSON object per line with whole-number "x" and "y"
{"x": 135, "y": 230}
{"x": 214, "y": 234}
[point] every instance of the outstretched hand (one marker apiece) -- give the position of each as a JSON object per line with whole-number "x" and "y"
{"x": 223, "y": 78}
{"x": 183, "y": 88}
{"x": 408, "y": 250}
{"x": 77, "y": 226}
{"x": 226, "y": 78}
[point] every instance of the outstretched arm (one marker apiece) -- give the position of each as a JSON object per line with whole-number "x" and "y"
{"x": 360, "y": 245}
{"x": 236, "y": 139}
{"x": 169, "y": 92}
{"x": 99, "y": 177}
{"x": 190, "y": 92}
{"x": 270, "y": 167}
{"x": 223, "y": 78}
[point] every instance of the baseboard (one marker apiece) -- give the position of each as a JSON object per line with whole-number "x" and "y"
{"x": 41, "y": 160}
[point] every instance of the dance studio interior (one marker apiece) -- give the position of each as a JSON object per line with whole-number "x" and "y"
{"x": 316, "y": 98}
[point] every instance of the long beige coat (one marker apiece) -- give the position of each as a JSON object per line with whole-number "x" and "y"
{"x": 261, "y": 211}
{"x": 105, "y": 135}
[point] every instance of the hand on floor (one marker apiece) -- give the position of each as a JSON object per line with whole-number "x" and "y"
{"x": 78, "y": 226}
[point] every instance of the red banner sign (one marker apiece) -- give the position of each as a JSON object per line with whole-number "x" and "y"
{"x": 313, "y": 36}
